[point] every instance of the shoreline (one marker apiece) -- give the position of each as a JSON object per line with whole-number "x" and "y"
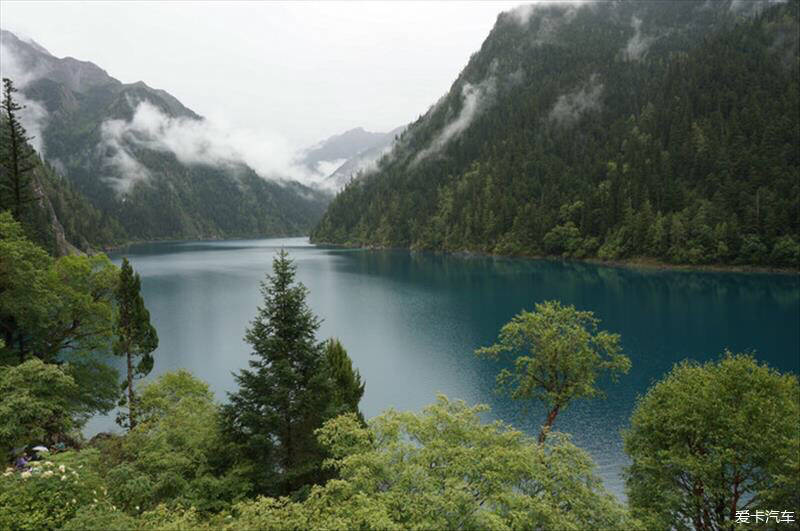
{"x": 638, "y": 263}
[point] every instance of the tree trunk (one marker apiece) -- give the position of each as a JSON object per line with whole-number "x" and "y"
{"x": 131, "y": 417}
{"x": 551, "y": 417}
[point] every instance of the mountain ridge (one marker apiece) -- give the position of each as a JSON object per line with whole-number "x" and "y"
{"x": 563, "y": 134}
{"x": 132, "y": 173}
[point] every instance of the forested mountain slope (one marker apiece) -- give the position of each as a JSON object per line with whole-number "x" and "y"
{"x": 124, "y": 147}
{"x": 612, "y": 130}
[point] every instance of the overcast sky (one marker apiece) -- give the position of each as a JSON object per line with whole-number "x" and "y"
{"x": 301, "y": 70}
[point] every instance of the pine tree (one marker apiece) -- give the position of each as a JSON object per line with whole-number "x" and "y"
{"x": 348, "y": 385}
{"x": 286, "y": 394}
{"x": 136, "y": 338}
{"x": 16, "y": 157}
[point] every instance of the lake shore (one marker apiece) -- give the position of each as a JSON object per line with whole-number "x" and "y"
{"x": 639, "y": 263}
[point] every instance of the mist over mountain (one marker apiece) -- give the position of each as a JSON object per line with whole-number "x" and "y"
{"x": 607, "y": 129}
{"x": 147, "y": 161}
{"x": 341, "y": 157}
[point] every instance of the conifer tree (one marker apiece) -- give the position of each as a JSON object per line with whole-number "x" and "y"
{"x": 348, "y": 385}
{"x": 136, "y": 338}
{"x": 286, "y": 394}
{"x": 16, "y": 157}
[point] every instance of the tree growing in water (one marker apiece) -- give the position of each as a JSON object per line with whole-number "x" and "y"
{"x": 289, "y": 391}
{"x": 136, "y": 338}
{"x": 558, "y": 354}
{"x": 16, "y": 156}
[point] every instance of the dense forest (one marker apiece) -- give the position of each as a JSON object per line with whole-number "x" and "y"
{"x": 139, "y": 187}
{"x": 614, "y": 130}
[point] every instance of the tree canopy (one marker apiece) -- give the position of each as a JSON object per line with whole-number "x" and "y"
{"x": 558, "y": 354}
{"x": 710, "y": 440}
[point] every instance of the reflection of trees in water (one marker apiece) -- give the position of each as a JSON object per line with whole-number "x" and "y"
{"x": 651, "y": 288}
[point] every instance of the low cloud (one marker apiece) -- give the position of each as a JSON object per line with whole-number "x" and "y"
{"x": 569, "y": 107}
{"x": 194, "y": 142}
{"x": 751, "y": 7}
{"x": 638, "y": 44}
{"x": 33, "y": 116}
{"x": 550, "y": 17}
{"x": 564, "y": 10}
{"x": 475, "y": 98}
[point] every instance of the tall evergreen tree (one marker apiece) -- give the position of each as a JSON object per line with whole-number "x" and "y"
{"x": 286, "y": 394}
{"x": 348, "y": 385}
{"x": 136, "y": 338}
{"x": 17, "y": 159}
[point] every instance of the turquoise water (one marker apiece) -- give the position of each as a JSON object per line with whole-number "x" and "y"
{"x": 412, "y": 321}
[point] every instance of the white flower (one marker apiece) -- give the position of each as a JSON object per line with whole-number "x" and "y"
{"x": 63, "y": 478}
{"x": 47, "y": 474}
{"x": 137, "y": 507}
{"x": 8, "y": 472}
{"x": 48, "y": 463}
{"x": 62, "y": 468}
{"x": 25, "y": 475}
{"x": 95, "y": 500}
{"x": 74, "y": 500}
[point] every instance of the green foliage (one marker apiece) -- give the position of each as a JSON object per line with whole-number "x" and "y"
{"x": 136, "y": 338}
{"x": 48, "y": 495}
{"x": 37, "y": 403}
{"x": 16, "y": 157}
{"x": 709, "y": 440}
{"x": 348, "y": 387}
{"x": 558, "y": 353}
{"x": 59, "y": 311}
{"x": 443, "y": 469}
{"x": 286, "y": 394}
{"x": 52, "y": 307}
{"x": 687, "y": 154}
{"x": 167, "y": 457}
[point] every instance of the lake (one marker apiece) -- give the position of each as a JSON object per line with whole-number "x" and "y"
{"x": 411, "y": 322}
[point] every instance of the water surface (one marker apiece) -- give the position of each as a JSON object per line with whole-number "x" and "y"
{"x": 411, "y": 322}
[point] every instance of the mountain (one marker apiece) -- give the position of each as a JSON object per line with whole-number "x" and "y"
{"x": 338, "y": 158}
{"x": 363, "y": 161}
{"x": 145, "y": 160}
{"x": 612, "y": 130}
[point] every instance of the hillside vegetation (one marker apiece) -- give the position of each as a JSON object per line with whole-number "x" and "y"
{"x": 610, "y": 130}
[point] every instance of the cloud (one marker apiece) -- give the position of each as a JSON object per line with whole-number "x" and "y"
{"x": 553, "y": 16}
{"x": 33, "y": 115}
{"x": 195, "y": 142}
{"x": 475, "y": 98}
{"x": 751, "y": 7}
{"x": 569, "y": 107}
{"x": 637, "y": 45}
{"x": 120, "y": 157}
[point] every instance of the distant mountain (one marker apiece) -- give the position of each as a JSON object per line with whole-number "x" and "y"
{"x": 124, "y": 147}
{"x": 363, "y": 161}
{"x": 340, "y": 157}
{"x": 611, "y": 129}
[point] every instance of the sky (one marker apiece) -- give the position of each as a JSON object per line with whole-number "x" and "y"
{"x": 301, "y": 71}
